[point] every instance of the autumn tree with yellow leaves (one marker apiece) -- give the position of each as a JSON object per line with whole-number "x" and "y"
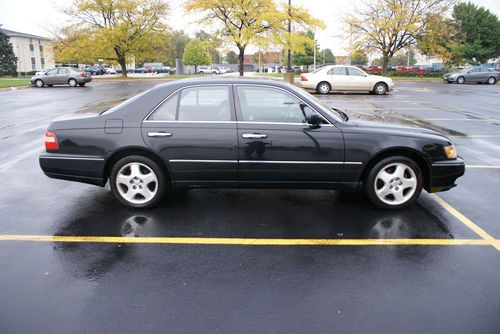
{"x": 387, "y": 26}
{"x": 114, "y": 30}
{"x": 252, "y": 22}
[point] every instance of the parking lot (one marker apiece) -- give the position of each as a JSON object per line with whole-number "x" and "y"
{"x": 74, "y": 260}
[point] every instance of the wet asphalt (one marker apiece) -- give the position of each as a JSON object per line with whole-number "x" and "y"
{"x": 74, "y": 287}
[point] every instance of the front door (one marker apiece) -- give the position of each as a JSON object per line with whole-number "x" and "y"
{"x": 358, "y": 80}
{"x": 276, "y": 143}
{"x": 194, "y": 132}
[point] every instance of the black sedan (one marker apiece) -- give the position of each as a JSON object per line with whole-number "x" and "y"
{"x": 245, "y": 133}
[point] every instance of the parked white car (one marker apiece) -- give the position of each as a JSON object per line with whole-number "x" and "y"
{"x": 345, "y": 78}
{"x": 110, "y": 70}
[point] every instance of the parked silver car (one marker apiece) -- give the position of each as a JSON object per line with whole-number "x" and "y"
{"x": 61, "y": 76}
{"x": 473, "y": 74}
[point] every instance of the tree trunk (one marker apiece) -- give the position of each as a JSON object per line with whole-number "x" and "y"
{"x": 123, "y": 65}
{"x": 385, "y": 63}
{"x": 241, "y": 58}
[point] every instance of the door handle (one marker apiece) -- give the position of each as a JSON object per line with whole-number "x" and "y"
{"x": 159, "y": 134}
{"x": 254, "y": 135}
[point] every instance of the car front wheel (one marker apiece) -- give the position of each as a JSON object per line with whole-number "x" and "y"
{"x": 137, "y": 182}
{"x": 39, "y": 83}
{"x": 460, "y": 80}
{"x": 394, "y": 183}
{"x": 380, "y": 88}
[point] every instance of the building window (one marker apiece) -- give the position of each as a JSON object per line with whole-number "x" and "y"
{"x": 42, "y": 62}
{"x": 33, "y": 63}
{"x": 31, "y": 40}
{"x": 32, "y": 48}
{"x": 39, "y": 41}
{"x": 41, "y": 48}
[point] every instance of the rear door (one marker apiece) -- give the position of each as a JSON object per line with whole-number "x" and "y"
{"x": 194, "y": 132}
{"x": 62, "y": 76}
{"x": 337, "y": 77}
{"x": 276, "y": 143}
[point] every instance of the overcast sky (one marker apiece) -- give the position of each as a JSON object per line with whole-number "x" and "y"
{"x": 39, "y": 17}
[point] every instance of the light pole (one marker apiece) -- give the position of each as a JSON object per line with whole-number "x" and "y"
{"x": 289, "y": 65}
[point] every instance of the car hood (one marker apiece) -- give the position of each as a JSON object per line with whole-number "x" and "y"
{"x": 388, "y": 128}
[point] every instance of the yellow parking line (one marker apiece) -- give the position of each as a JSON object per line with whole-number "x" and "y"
{"x": 467, "y": 222}
{"x": 482, "y": 166}
{"x": 246, "y": 241}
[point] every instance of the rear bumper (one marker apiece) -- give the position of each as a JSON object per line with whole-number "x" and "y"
{"x": 86, "y": 169}
{"x": 444, "y": 174}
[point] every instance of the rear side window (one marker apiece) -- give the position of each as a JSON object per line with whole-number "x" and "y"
{"x": 196, "y": 104}
{"x": 337, "y": 71}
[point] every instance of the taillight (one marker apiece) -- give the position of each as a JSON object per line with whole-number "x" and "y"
{"x": 50, "y": 140}
{"x": 303, "y": 78}
{"x": 83, "y": 74}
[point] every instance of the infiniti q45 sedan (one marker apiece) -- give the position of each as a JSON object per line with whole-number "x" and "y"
{"x": 243, "y": 133}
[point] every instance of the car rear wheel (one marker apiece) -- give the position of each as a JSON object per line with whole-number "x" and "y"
{"x": 323, "y": 88}
{"x": 492, "y": 80}
{"x": 39, "y": 83}
{"x": 137, "y": 182}
{"x": 380, "y": 88}
{"x": 460, "y": 80}
{"x": 394, "y": 183}
{"x": 72, "y": 82}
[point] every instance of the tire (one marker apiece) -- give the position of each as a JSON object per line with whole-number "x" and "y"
{"x": 380, "y": 88}
{"x": 81, "y": 84}
{"x": 492, "y": 80}
{"x": 323, "y": 88}
{"x": 142, "y": 173}
{"x": 394, "y": 183}
{"x": 39, "y": 83}
{"x": 460, "y": 80}
{"x": 72, "y": 82}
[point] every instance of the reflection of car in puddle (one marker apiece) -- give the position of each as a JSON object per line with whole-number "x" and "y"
{"x": 133, "y": 226}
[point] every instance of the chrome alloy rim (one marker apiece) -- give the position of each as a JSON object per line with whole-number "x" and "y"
{"x": 323, "y": 88}
{"x": 491, "y": 81}
{"x": 137, "y": 183}
{"x": 380, "y": 89}
{"x": 39, "y": 83}
{"x": 395, "y": 183}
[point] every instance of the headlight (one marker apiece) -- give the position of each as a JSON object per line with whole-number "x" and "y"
{"x": 450, "y": 151}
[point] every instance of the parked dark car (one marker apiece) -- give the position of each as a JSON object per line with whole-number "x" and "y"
{"x": 245, "y": 133}
{"x": 142, "y": 70}
{"x": 96, "y": 70}
{"x": 61, "y": 76}
{"x": 473, "y": 74}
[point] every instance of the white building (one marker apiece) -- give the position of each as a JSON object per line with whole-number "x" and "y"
{"x": 34, "y": 53}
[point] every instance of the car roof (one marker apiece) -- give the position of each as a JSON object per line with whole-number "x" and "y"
{"x": 225, "y": 80}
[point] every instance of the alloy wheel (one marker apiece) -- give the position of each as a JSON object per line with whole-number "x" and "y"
{"x": 137, "y": 183}
{"x": 324, "y": 88}
{"x": 491, "y": 80}
{"x": 395, "y": 183}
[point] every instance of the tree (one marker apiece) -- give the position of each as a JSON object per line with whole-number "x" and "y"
{"x": 328, "y": 57}
{"x": 242, "y": 21}
{"x": 232, "y": 57}
{"x": 478, "y": 33}
{"x": 114, "y": 30}
{"x": 359, "y": 57}
{"x": 195, "y": 54}
{"x": 439, "y": 39}
{"x": 245, "y": 22}
{"x": 387, "y": 26}
{"x": 306, "y": 57}
{"x": 212, "y": 43}
{"x": 178, "y": 41}
{"x": 8, "y": 60}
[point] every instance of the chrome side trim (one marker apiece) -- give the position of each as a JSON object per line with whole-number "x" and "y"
{"x": 71, "y": 158}
{"x": 195, "y": 160}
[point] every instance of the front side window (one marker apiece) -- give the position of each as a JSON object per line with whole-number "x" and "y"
{"x": 337, "y": 71}
{"x": 196, "y": 104}
{"x": 355, "y": 71}
{"x": 270, "y": 105}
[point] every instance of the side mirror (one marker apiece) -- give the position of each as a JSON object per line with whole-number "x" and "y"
{"x": 315, "y": 121}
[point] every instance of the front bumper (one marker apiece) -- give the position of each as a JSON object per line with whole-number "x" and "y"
{"x": 444, "y": 174}
{"x": 86, "y": 169}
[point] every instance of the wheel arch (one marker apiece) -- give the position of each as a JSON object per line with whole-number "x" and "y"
{"x": 407, "y": 152}
{"x": 134, "y": 150}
